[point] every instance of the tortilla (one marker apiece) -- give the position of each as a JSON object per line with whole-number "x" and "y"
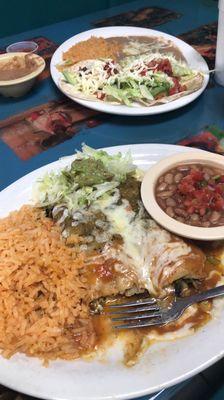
{"x": 192, "y": 85}
{"x": 136, "y": 46}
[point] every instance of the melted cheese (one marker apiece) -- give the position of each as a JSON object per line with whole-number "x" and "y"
{"x": 144, "y": 244}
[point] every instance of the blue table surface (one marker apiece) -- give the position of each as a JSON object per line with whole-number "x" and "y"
{"x": 164, "y": 128}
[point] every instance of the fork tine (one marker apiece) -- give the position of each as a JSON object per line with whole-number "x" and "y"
{"x": 133, "y": 303}
{"x": 138, "y": 316}
{"x": 140, "y": 324}
{"x": 134, "y": 310}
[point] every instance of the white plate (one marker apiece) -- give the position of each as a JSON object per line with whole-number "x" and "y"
{"x": 194, "y": 59}
{"x": 164, "y": 364}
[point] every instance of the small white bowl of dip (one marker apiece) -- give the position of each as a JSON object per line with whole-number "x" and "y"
{"x": 16, "y": 82}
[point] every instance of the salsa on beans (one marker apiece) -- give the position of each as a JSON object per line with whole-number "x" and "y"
{"x": 193, "y": 194}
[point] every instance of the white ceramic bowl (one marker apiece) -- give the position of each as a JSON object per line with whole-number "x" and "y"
{"x": 19, "y": 87}
{"x": 151, "y": 205}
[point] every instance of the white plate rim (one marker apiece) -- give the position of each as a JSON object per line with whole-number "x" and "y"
{"x": 138, "y": 150}
{"x": 122, "y": 109}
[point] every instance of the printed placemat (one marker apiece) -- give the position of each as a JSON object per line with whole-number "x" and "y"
{"x": 147, "y": 17}
{"x": 210, "y": 138}
{"x": 45, "y": 126}
{"x": 203, "y": 39}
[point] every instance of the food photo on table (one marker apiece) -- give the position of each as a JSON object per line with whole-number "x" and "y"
{"x": 112, "y": 201}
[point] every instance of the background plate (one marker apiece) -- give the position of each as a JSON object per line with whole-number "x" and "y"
{"x": 163, "y": 365}
{"x": 194, "y": 59}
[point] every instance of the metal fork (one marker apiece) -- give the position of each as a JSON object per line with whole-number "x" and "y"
{"x": 148, "y": 312}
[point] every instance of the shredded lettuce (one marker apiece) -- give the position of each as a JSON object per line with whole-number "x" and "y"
{"x": 145, "y": 92}
{"x": 180, "y": 69}
{"x": 120, "y": 165}
{"x": 125, "y": 96}
{"x": 64, "y": 189}
{"x": 52, "y": 189}
{"x": 133, "y": 79}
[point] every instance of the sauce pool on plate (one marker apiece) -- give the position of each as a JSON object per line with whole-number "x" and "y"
{"x": 193, "y": 194}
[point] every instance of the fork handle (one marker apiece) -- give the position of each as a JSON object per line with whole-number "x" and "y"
{"x": 208, "y": 294}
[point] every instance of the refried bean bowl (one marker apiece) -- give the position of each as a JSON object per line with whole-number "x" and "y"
{"x": 18, "y": 72}
{"x": 185, "y": 194}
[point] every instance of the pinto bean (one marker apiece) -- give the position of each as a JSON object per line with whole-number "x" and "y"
{"x": 183, "y": 168}
{"x": 194, "y": 217}
{"x": 180, "y": 219}
{"x": 205, "y": 224}
{"x": 170, "y": 202}
{"x": 165, "y": 195}
{"x": 178, "y": 177}
{"x": 214, "y": 217}
{"x": 194, "y": 223}
{"x": 161, "y": 203}
{"x": 168, "y": 178}
{"x": 172, "y": 187}
{"x": 180, "y": 212}
{"x": 161, "y": 179}
{"x": 170, "y": 212}
{"x": 206, "y": 176}
{"x": 162, "y": 187}
{"x": 208, "y": 171}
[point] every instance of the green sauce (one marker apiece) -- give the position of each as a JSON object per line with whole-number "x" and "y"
{"x": 130, "y": 190}
{"x": 88, "y": 172}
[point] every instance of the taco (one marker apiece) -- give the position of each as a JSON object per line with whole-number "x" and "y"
{"x": 144, "y": 79}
